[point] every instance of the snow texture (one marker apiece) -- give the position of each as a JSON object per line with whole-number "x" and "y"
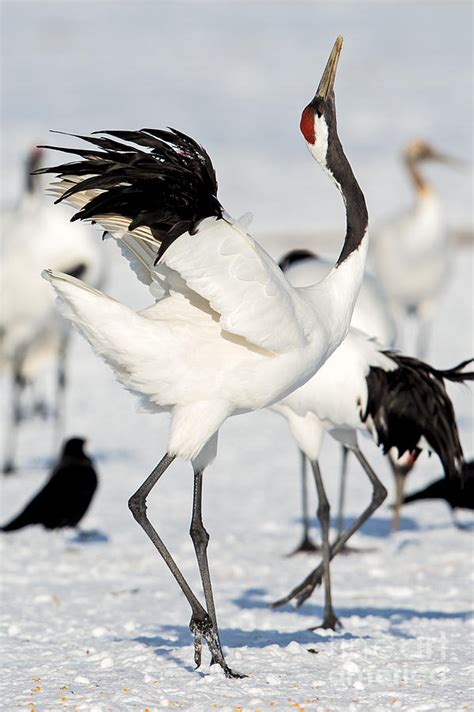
{"x": 101, "y": 625}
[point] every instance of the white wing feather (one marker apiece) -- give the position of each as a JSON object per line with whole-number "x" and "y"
{"x": 241, "y": 282}
{"x": 224, "y": 266}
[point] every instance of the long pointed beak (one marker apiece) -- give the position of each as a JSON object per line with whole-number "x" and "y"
{"x": 456, "y": 163}
{"x": 326, "y": 85}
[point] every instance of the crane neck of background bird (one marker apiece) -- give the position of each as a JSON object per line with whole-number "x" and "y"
{"x": 33, "y": 162}
{"x": 420, "y": 184}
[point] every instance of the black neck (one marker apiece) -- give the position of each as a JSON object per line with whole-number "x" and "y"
{"x": 356, "y": 210}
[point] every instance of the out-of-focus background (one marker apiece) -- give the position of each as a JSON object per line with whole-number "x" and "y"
{"x": 103, "y": 624}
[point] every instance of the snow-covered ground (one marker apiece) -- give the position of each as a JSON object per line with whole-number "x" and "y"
{"x": 102, "y": 626}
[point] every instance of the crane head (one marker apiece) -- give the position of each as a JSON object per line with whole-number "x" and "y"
{"x": 418, "y": 150}
{"x": 318, "y": 120}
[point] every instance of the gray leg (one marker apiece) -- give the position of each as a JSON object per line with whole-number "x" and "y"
{"x": 200, "y": 539}
{"x": 399, "y": 475}
{"x": 306, "y": 543}
{"x": 342, "y": 491}
{"x": 60, "y": 409}
{"x": 306, "y": 588}
{"x": 423, "y": 338}
{"x": 15, "y": 418}
{"x": 330, "y": 620}
{"x": 201, "y": 623}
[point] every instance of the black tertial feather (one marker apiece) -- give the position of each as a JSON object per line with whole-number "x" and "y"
{"x": 411, "y": 402}
{"x": 169, "y": 187}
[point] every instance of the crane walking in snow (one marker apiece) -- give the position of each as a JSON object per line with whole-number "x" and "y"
{"x": 401, "y": 401}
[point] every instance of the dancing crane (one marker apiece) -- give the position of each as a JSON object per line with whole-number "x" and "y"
{"x": 228, "y": 334}
{"x": 31, "y": 330}
{"x": 412, "y": 253}
{"x": 371, "y": 315}
{"x": 401, "y": 401}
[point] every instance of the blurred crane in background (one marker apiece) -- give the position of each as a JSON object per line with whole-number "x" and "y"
{"x": 32, "y": 332}
{"x": 412, "y": 253}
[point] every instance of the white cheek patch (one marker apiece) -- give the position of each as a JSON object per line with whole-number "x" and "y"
{"x": 319, "y": 148}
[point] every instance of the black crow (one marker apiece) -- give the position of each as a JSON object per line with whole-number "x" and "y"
{"x": 66, "y": 496}
{"x": 459, "y": 495}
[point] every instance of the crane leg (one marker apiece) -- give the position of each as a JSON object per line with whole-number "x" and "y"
{"x": 342, "y": 491}
{"x": 423, "y": 338}
{"x": 379, "y": 493}
{"x": 201, "y": 623}
{"x": 60, "y": 410}
{"x": 14, "y": 420}
{"x": 330, "y": 620}
{"x": 200, "y": 538}
{"x": 306, "y": 544}
{"x": 399, "y": 491}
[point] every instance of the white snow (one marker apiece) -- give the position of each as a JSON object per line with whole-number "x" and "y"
{"x": 102, "y": 626}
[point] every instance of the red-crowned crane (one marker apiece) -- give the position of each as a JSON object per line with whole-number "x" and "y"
{"x": 412, "y": 253}
{"x": 231, "y": 334}
{"x": 371, "y": 315}
{"x": 31, "y": 331}
{"x": 400, "y": 400}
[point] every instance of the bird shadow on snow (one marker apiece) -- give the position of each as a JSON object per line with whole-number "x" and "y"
{"x": 181, "y": 637}
{"x": 379, "y": 527}
{"x": 254, "y": 598}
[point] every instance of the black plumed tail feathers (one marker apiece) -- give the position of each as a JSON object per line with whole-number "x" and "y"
{"x": 411, "y": 403}
{"x": 165, "y": 181}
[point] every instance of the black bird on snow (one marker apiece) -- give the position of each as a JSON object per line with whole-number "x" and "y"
{"x": 458, "y": 494}
{"x": 67, "y": 494}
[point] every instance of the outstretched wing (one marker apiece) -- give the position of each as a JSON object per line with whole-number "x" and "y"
{"x": 148, "y": 198}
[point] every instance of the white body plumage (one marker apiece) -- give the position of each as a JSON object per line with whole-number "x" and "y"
{"x": 371, "y": 314}
{"x": 412, "y": 256}
{"x": 230, "y": 335}
{"x": 335, "y": 398}
{"x": 38, "y": 235}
